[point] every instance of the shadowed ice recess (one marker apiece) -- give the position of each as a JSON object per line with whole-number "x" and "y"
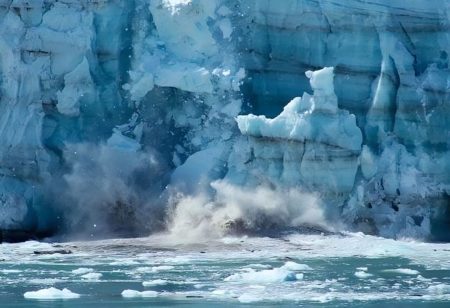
{"x": 205, "y": 118}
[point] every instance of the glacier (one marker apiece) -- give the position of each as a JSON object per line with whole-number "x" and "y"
{"x": 113, "y": 111}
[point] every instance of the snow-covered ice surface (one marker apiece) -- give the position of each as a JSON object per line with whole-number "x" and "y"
{"x": 347, "y": 270}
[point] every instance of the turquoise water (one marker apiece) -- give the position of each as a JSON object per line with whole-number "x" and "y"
{"x": 294, "y": 271}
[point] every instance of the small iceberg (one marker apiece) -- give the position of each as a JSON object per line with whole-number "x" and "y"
{"x": 156, "y": 282}
{"x": 248, "y": 298}
{"x": 82, "y": 271}
{"x": 284, "y": 273}
{"x": 403, "y": 271}
{"x": 51, "y": 293}
{"x": 439, "y": 289}
{"x": 264, "y": 276}
{"x": 362, "y": 274}
{"x": 134, "y": 294}
{"x": 292, "y": 266}
{"x": 92, "y": 276}
{"x": 154, "y": 269}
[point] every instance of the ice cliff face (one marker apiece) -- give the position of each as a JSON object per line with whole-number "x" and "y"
{"x": 311, "y": 143}
{"x": 110, "y": 107}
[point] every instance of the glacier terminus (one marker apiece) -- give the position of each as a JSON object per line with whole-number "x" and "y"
{"x": 133, "y": 117}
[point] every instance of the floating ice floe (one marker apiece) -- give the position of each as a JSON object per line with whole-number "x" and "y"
{"x": 362, "y": 274}
{"x": 82, "y": 271}
{"x": 156, "y": 282}
{"x": 404, "y": 271}
{"x": 292, "y": 266}
{"x": 260, "y": 266}
{"x": 248, "y": 298}
{"x": 154, "y": 269}
{"x": 134, "y": 293}
{"x": 283, "y": 273}
{"x": 439, "y": 289}
{"x": 10, "y": 271}
{"x": 92, "y": 276}
{"x": 51, "y": 293}
{"x": 45, "y": 281}
{"x": 264, "y": 276}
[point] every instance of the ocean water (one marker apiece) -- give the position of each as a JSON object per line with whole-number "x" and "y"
{"x": 295, "y": 270}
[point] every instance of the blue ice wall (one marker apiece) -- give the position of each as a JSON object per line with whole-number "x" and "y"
{"x": 108, "y": 107}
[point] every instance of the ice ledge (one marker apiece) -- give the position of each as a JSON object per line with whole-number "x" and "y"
{"x": 309, "y": 118}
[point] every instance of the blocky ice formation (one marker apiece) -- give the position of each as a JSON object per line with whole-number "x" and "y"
{"x": 162, "y": 82}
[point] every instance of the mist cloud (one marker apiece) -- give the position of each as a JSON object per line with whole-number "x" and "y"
{"x": 110, "y": 191}
{"x": 242, "y": 209}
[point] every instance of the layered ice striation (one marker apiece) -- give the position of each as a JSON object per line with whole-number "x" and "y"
{"x": 110, "y": 107}
{"x": 311, "y": 143}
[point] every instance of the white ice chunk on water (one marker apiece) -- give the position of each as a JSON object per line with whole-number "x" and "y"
{"x": 51, "y": 293}
{"x": 134, "y": 293}
{"x": 403, "y": 271}
{"x": 162, "y": 268}
{"x": 92, "y": 276}
{"x": 10, "y": 271}
{"x": 248, "y": 298}
{"x": 439, "y": 289}
{"x": 292, "y": 266}
{"x": 264, "y": 276}
{"x": 363, "y": 274}
{"x": 45, "y": 281}
{"x": 300, "y": 276}
{"x": 82, "y": 271}
{"x": 156, "y": 282}
{"x": 154, "y": 269}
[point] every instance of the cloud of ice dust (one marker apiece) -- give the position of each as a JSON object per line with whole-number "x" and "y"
{"x": 236, "y": 209}
{"x": 109, "y": 191}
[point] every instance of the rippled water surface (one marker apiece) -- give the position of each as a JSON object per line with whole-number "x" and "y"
{"x": 296, "y": 270}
